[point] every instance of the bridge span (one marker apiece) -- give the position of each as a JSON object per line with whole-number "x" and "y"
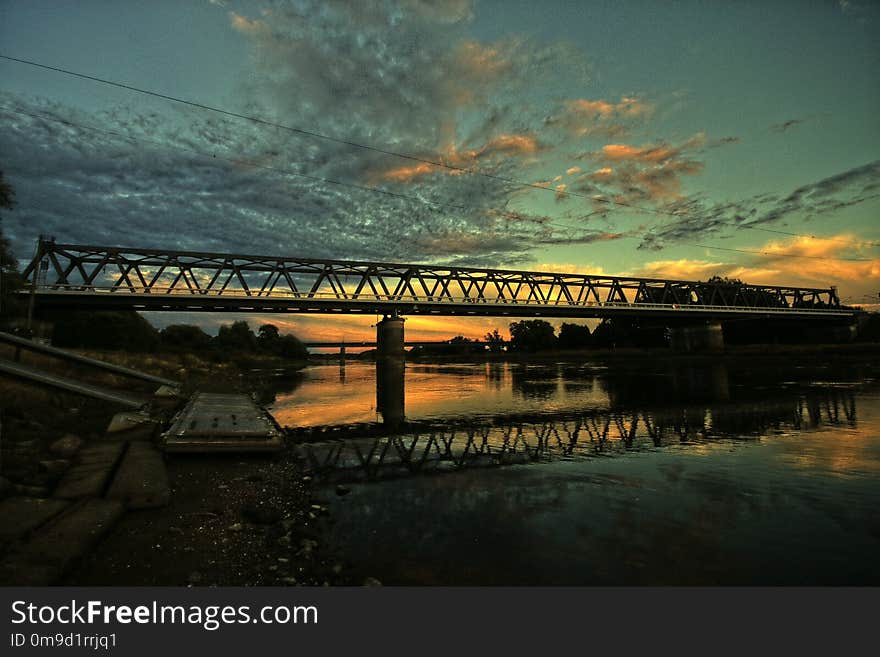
{"x": 109, "y": 278}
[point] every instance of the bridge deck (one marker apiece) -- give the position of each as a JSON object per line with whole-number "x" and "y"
{"x": 195, "y": 302}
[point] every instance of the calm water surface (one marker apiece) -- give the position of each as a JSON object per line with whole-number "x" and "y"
{"x": 757, "y": 472}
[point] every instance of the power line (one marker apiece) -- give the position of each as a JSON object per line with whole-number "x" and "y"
{"x": 815, "y": 237}
{"x": 775, "y": 254}
{"x": 452, "y": 167}
{"x": 318, "y": 135}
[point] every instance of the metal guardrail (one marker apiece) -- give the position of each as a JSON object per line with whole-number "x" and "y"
{"x": 38, "y": 347}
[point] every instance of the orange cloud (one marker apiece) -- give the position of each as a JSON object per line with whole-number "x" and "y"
{"x": 583, "y": 116}
{"x": 501, "y": 145}
{"x": 651, "y": 172}
{"x": 408, "y": 174}
{"x": 829, "y": 261}
{"x": 630, "y": 107}
{"x": 248, "y": 26}
{"x": 683, "y": 268}
{"x": 655, "y": 154}
{"x": 512, "y": 144}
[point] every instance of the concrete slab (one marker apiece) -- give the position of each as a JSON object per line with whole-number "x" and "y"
{"x": 212, "y": 422}
{"x": 91, "y": 471}
{"x": 128, "y": 420}
{"x": 44, "y": 557}
{"x": 21, "y": 515}
{"x": 141, "y": 481}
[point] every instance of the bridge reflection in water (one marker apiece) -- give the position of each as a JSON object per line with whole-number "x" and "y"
{"x": 399, "y": 448}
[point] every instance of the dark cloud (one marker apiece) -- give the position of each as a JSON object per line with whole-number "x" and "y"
{"x": 723, "y": 141}
{"x": 695, "y": 218}
{"x": 787, "y": 125}
{"x": 404, "y": 76}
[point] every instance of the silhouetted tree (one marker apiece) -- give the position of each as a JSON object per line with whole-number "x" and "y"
{"x": 268, "y": 334}
{"x": 10, "y": 280}
{"x": 574, "y": 336}
{"x": 496, "y": 342}
{"x": 532, "y": 335}
{"x": 125, "y": 329}
{"x": 290, "y": 347}
{"x": 185, "y": 337}
{"x": 236, "y": 337}
{"x": 621, "y": 332}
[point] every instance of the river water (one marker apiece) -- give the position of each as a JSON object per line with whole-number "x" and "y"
{"x": 749, "y": 471}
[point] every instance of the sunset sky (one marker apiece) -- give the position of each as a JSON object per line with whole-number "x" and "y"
{"x": 641, "y": 133}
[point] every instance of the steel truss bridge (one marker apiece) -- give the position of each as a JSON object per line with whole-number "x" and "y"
{"x": 105, "y": 278}
{"x": 351, "y": 453}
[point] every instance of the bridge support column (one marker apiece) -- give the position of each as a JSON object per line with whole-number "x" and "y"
{"x": 390, "y": 370}
{"x": 389, "y": 338}
{"x": 697, "y": 337}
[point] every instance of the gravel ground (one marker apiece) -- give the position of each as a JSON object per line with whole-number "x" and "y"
{"x": 232, "y": 521}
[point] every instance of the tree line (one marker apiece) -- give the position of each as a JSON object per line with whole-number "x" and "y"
{"x": 127, "y": 330}
{"x": 533, "y": 335}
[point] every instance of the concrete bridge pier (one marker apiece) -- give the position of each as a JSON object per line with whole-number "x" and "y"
{"x": 389, "y": 337}
{"x": 390, "y": 370}
{"x": 697, "y": 337}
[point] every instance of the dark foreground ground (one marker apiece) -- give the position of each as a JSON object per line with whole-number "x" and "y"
{"x": 233, "y": 520}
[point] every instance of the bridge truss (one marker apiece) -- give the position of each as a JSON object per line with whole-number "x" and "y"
{"x": 102, "y": 277}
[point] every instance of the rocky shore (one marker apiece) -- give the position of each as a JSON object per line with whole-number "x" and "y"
{"x": 230, "y": 520}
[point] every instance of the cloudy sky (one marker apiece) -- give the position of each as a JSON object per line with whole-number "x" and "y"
{"x": 675, "y": 139}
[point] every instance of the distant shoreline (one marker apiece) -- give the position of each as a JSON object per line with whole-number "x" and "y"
{"x": 854, "y": 349}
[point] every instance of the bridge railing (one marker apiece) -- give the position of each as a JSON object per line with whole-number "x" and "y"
{"x": 391, "y": 299}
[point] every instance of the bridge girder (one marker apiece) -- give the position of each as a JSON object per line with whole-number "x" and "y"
{"x": 100, "y": 277}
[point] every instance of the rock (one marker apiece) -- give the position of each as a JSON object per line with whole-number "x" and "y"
{"x": 237, "y": 527}
{"x": 195, "y": 577}
{"x": 31, "y": 491}
{"x": 307, "y": 479}
{"x": 263, "y": 514}
{"x": 289, "y": 580}
{"x": 166, "y": 392}
{"x": 128, "y": 420}
{"x": 372, "y": 581}
{"x": 342, "y": 490}
{"x": 55, "y": 468}
{"x": 66, "y": 446}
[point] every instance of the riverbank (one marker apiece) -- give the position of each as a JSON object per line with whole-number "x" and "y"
{"x": 235, "y": 520}
{"x": 730, "y": 352}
